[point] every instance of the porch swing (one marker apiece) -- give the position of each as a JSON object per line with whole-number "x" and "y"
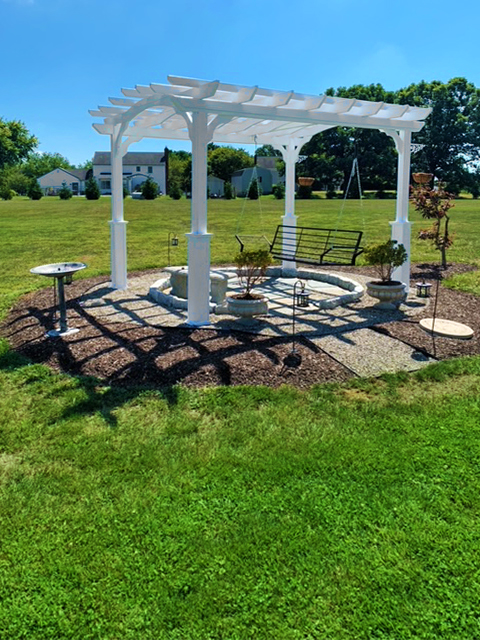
{"x": 313, "y": 245}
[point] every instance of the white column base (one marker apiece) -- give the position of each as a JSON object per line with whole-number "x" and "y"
{"x": 198, "y": 279}
{"x": 401, "y": 232}
{"x": 289, "y": 267}
{"x": 118, "y": 255}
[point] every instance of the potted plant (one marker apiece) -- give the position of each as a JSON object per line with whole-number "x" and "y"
{"x": 251, "y": 270}
{"x": 385, "y": 257}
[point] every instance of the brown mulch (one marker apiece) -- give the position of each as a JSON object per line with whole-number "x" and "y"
{"x": 128, "y": 355}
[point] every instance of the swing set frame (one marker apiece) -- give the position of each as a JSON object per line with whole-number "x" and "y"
{"x": 313, "y": 245}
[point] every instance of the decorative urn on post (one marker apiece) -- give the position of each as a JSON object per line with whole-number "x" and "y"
{"x": 385, "y": 257}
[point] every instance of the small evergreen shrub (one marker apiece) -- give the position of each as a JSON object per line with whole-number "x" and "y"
{"x": 278, "y": 191}
{"x": 92, "y": 190}
{"x": 65, "y": 193}
{"x": 175, "y": 192}
{"x": 331, "y": 194}
{"x": 254, "y": 191}
{"x": 149, "y": 189}
{"x": 35, "y": 191}
{"x": 228, "y": 191}
{"x": 126, "y": 192}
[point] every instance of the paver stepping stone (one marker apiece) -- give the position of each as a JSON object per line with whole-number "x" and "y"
{"x": 369, "y": 353}
{"x": 447, "y": 328}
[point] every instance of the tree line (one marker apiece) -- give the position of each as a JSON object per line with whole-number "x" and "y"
{"x": 451, "y": 151}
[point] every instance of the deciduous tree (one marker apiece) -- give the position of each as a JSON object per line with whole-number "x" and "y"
{"x": 16, "y": 142}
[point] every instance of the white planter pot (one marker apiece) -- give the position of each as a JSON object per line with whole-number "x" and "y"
{"x": 247, "y": 309}
{"x": 390, "y": 296}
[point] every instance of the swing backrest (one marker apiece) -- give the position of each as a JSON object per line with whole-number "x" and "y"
{"x": 311, "y": 245}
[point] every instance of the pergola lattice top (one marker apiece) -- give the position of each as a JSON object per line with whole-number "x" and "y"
{"x": 244, "y": 115}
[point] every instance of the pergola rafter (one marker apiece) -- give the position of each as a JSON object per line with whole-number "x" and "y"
{"x": 210, "y": 111}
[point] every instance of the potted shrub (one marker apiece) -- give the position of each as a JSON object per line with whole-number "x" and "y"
{"x": 251, "y": 270}
{"x": 385, "y": 257}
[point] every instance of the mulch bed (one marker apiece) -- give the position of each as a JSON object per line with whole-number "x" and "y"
{"x": 128, "y": 355}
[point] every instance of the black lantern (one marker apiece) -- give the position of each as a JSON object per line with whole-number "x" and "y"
{"x": 300, "y": 299}
{"x": 423, "y": 289}
{"x": 171, "y": 242}
{"x": 303, "y": 297}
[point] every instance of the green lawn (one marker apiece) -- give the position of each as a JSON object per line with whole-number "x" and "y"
{"x": 51, "y": 230}
{"x": 346, "y": 512}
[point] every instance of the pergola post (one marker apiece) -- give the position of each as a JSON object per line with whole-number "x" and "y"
{"x": 290, "y": 153}
{"x": 401, "y": 228}
{"x": 118, "y": 226}
{"x": 198, "y": 238}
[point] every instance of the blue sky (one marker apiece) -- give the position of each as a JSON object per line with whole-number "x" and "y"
{"x": 61, "y": 58}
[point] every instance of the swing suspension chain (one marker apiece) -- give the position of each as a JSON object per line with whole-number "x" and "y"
{"x": 254, "y": 177}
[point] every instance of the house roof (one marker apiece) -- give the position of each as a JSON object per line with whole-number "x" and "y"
{"x": 242, "y": 114}
{"x": 132, "y": 157}
{"x": 79, "y": 174}
{"x": 260, "y": 170}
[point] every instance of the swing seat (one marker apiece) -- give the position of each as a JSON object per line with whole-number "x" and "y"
{"x": 310, "y": 245}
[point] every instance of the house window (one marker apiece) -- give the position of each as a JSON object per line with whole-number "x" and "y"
{"x": 104, "y": 184}
{"x": 150, "y": 169}
{"x": 75, "y": 187}
{"x": 260, "y": 178}
{"x": 138, "y": 169}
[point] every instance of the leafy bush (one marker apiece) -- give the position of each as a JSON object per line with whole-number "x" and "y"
{"x": 385, "y": 257}
{"x": 278, "y": 191}
{"x": 6, "y": 193}
{"x": 254, "y": 191}
{"x": 175, "y": 192}
{"x": 304, "y": 192}
{"x": 92, "y": 190}
{"x": 149, "y": 189}
{"x": 251, "y": 267}
{"x": 331, "y": 194}
{"x": 228, "y": 192}
{"x": 126, "y": 192}
{"x": 35, "y": 191}
{"x": 65, "y": 193}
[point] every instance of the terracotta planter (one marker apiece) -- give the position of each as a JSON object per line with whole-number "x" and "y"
{"x": 247, "y": 309}
{"x": 305, "y": 182}
{"x": 422, "y": 178}
{"x": 389, "y": 296}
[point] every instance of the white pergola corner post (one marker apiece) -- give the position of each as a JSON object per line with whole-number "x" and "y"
{"x": 290, "y": 152}
{"x": 198, "y": 238}
{"x": 118, "y": 226}
{"x": 402, "y": 227}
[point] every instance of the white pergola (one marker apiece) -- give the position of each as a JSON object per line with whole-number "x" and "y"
{"x": 203, "y": 112}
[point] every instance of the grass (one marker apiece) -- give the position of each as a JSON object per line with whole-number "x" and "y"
{"x": 51, "y": 230}
{"x": 214, "y": 514}
{"x": 349, "y": 512}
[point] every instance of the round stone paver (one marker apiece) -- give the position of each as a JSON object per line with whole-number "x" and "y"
{"x": 447, "y": 328}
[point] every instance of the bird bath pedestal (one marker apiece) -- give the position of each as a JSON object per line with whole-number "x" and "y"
{"x": 60, "y": 271}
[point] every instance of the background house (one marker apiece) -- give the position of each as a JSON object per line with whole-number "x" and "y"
{"x": 242, "y": 178}
{"x": 216, "y": 186}
{"x": 75, "y": 179}
{"x": 137, "y": 167}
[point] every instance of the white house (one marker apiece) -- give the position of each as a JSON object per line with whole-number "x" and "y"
{"x": 137, "y": 167}
{"x": 52, "y": 182}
